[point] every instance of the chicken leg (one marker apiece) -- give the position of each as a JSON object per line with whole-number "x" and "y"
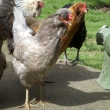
{"x": 74, "y": 62}
{"x": 66, "y": 60}
{"x": 27, "y": 104}
{"x": 39, "y": 98}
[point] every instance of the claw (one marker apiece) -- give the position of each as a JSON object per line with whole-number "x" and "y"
{"x": 75, "y": 62}
{"x": 27, "y": 106}
{"x": 38, "y": 101}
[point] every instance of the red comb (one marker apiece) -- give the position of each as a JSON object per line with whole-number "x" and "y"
{"x": 41, "y": 4}
{"x": 84, "y": 5}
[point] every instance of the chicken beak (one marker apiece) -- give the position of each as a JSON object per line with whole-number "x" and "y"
{"x": 67, "y": 22}
{"x": 85, "y": 11}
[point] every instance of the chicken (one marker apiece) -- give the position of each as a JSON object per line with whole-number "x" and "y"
{"x": 30, "y": 7}
{"x": 6, "y": 11}
{"x": 78, "y": 10}
{"x": 77, "y": 40}
{"x": 34, "y": 56}
{"x": 3, "y": 31}
{"x": 78, "y": 27}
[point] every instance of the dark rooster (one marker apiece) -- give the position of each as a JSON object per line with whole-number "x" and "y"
{"x": 3, "y": 32}
{"x": 34, "y": 56}
{"x": 77, "y": 40}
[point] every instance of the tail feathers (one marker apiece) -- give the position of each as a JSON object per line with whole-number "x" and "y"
{"x": 19, "y": 23}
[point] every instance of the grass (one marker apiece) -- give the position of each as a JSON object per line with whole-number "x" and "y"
{"x": 91, "y": 54}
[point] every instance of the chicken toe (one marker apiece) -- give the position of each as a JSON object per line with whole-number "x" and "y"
{"x": 27, "y": 104}
{"x": 39, "y": 99}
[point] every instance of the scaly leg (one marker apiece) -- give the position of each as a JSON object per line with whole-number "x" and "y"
{"x": 39, "y": 99}
{"x": 66, "y": 60}
{"x": 74, "y": 62}
{"x": 27, "y": 104}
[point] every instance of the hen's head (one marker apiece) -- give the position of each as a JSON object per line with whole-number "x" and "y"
{"x": 30, "y": 7}
{"x": 62, "y": 17}
{"x": 40, "y": 3}
{"x": 79, "y": 7}
{"x": 64, "y": 14}
{"x": 78, "y": 10}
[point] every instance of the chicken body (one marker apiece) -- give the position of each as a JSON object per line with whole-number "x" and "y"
{"x": 77, "y": 40}
{"x": 34, "y": 56}
{"x": 3, "y": 31}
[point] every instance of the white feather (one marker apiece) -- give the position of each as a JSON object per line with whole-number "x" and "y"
{"x": 19, "y": 24}
{"x": 1, "y": 1}
{"x": 28, "y": 7}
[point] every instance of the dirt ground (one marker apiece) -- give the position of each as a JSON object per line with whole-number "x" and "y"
{"x": 74, "y": 88}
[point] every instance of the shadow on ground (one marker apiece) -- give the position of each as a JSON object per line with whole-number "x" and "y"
{"x": 73, "y": 86}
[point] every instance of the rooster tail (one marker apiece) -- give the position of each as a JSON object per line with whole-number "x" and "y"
{"x": 19, "y": 23}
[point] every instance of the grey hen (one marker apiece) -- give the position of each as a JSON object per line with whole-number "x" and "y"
{"x": 34, "y": 56}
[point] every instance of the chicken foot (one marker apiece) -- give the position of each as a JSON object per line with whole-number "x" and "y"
{"x": 27, "y": 104}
